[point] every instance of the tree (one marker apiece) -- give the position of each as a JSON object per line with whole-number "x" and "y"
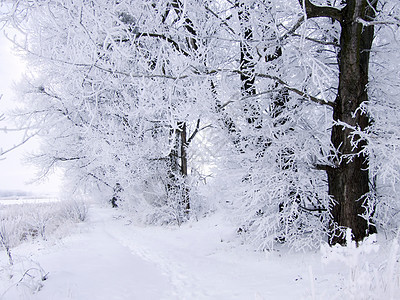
{"x": 124, "y": 107}
{"x": 294, "y": 131}
{"x": 276, "y": 194}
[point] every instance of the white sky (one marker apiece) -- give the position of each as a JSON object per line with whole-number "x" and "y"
{"x": 15, "y": 174}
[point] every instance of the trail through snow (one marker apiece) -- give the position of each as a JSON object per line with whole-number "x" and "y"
{"x": 95, "y": 265}
{"x": 112, "y": 258}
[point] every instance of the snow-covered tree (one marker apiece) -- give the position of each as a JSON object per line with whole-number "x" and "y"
{"x": 293, "y": 94}
{"x": 114, "y": 96}
{"x": 317, "y": 62}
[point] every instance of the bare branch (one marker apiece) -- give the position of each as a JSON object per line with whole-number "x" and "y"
{"x": 318, "y": 41}
{"x": 6, "y": 129}
{"x": 293, "y": 29}
{"x": 68, "y": 159}
{"x": 99, "y": 179}
{"x": 278, "y": 80}
{"x": 315, "y": 11}
{"x": 297, "y": 91}
{"x": 223, "y": 22}
{"x": 163, "y": 37}
{"x": 194, "y": 132}
{"x": 2, "y": 152}
{"x": 317, "y": 209}
{"x": 246, "y": 98}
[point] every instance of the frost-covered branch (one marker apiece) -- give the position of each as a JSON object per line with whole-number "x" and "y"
{"x": 305, "y": 95}
{"x": 25, "y": 139}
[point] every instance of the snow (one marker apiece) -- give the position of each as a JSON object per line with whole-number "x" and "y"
{"x": 110, "y": 256}
{"x": 31, "y": 200}
{"x": 97, "y": 266}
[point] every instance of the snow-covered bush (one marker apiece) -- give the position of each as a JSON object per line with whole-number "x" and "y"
{"x": 24, "y": 222}
{"x": 25, "y": 277}
{"x": 38, "y": 220}
{"x": 75, "y": 210}
{"x": 363, "y": 276}
{"x": 9, "y": 227}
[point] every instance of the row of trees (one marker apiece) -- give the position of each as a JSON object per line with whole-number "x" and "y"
{"x": 285, "y": 101}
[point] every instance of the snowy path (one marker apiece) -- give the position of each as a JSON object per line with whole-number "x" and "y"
{"x": 94, "y": 265}
{"x": 196, "y": 262}
{"x": 112, "y": 259}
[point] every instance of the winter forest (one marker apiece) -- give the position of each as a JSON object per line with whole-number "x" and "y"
{"x": 282, "y": 115}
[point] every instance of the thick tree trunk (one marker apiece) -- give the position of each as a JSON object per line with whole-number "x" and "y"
{"x": 349, "y": 180}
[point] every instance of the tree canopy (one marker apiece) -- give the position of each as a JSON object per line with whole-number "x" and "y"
{"x": 283, "y": 113}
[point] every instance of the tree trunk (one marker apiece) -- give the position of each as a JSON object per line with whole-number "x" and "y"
{"x": 247, "y": 66}
{"x": 348, "y": 181}
{"x": 179, "y": 153}
{"x": 178, "y": 168}
{"x": 184, "y": 167}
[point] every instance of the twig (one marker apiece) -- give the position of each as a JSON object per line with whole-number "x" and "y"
{"x": 2, "y": 152}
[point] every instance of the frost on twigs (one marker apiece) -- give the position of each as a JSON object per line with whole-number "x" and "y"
{"x": 5, "y": 240}
{"x": 31, "y": 223}
{"x": 27, "y": 222}
{"x": 75, "y": 210}
{"x": 161, "y": 203}
{"x": 10, "y": 228}
{"x": 23, "y": 278}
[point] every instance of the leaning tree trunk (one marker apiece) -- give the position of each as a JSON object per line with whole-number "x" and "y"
{"x": 349, "y": 180}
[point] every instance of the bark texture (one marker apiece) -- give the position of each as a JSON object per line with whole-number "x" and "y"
{"x": 349, "y": 179}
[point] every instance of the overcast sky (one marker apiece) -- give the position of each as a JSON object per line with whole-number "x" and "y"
{"x": 15, "y": 173}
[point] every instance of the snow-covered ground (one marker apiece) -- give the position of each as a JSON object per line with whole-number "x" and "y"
{"x": 111, "y": 257}
{"x": 29, "y": 199}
